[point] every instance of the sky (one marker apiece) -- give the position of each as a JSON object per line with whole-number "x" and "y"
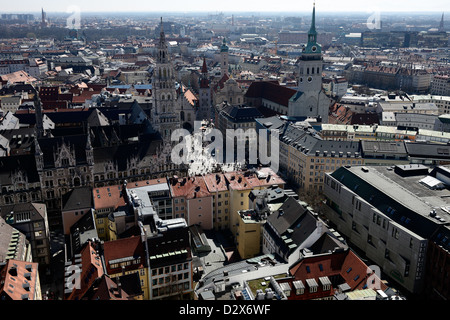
{"x": 214, "y": 6}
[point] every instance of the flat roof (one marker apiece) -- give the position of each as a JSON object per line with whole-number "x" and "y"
{"x": 412, "y": 200}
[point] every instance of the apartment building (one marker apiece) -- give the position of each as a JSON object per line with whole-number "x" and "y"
{"x": 305, "y": 157}
{"x": 31, "y": 220}
{"x": 83, "y": 271}
{"x": 390, "y": 214}
{"x": 440, "y": 85}
{"x": 13, "y": 244}
{"x": 218, "y": 188}
{"x": 241, "y": 184}
{"x": 442, "y": 101}
{"x": 127, "y": 256}
{"x": 170, "y": 262}
{"x": 75, "y": 204}
{"x": 341, "y": 132}
{"x": 34, "y": 67}
{"x": 19, "y": 280}
{"x": 192, "y": 201}
{"x": 327, "y": 276}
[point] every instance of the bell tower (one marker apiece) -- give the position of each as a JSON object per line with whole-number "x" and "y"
{"x": 165, "y": 115}
{"x": 311, "y": 62}
{"x": 224, "y": 58}
{"x": 204, "y": 110}
{"x": 310, "y": 100}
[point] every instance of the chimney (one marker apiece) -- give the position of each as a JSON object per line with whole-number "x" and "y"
{"x": 319, "y": 226}
{"x": 119, "y": 288}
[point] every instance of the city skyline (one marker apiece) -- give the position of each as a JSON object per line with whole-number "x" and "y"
{"x": 323, "y": 6}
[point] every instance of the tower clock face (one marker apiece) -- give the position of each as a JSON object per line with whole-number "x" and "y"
{"x": 309, "y": 79}
{"x": 314, "y": 49}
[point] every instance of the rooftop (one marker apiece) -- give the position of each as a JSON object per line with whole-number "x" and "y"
{"x": 18, "y": 280}
{"x": 400, "y": 194}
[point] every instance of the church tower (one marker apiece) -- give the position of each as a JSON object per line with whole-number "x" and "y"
{"x": 39, "y": 126}
{"x": 204, "y": 92}
{"x": 441, "y": 24}
{"x": 224, "y": 58}
{"x": 310, "y": 100}
{"x": 165, "y": 113}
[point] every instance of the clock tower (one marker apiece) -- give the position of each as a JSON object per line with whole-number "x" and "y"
{"x": 310, "y": 100}
{"x": 165, "y": 112}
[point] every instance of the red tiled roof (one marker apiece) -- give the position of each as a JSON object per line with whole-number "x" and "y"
{"x": 189, "y": 187}
{"x": 109, "y": 290}
{"x": 123, "y": 248}
{"x": 84, "y": 95}
{"x": 221, "y": 82}
{"x": 108, "y": 197}
{"x": 240, "y": 180}
{"x": 346, "y": 264}
{"x": 271, "y": 91}
{"x": 91, "y": 269}
{"x": 13, "y": 283}
{"x": 215, "y": 182}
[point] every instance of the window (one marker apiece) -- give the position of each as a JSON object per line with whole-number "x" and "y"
{"x": 395, "y": 233}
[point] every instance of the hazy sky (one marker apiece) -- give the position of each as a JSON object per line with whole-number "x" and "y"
{"x": 226, "y": 5}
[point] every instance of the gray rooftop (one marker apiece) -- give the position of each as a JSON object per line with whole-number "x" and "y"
{"x": 403, "y": 198}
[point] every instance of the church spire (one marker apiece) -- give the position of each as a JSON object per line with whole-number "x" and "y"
{"x": 162, "y": 36}
{"x": 312, "y": 34}
{"x": 39, "y": 127}
{"x": 204, "y": 67}
{"x": 163, "y": 50}
{"x": 312, "y": 46}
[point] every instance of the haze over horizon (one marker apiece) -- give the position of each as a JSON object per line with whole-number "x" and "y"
{"x": 263, "y": 6}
